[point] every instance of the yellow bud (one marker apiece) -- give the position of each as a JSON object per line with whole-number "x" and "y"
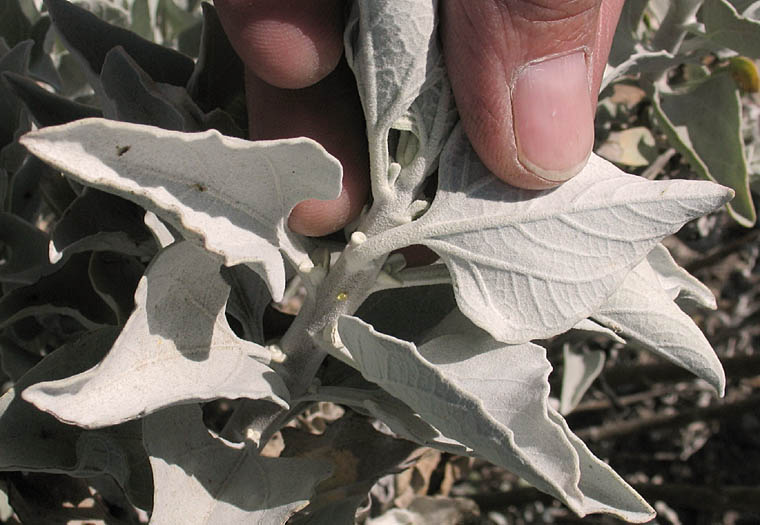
{"x": 744, "y": 72}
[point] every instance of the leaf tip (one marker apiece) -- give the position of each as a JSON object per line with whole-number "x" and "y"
{"x": 723, "y": 194}
{"x": 53, "y": 254}
{"x": 46, "y": 397}
{"x": 30, "y": 140}
{"x": 719, "y": 384}
{"x": 730, "y": 193}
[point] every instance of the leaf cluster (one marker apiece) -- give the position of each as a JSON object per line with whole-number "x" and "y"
{"x": 696, "y": 63}
{"x": 145, "y": 243}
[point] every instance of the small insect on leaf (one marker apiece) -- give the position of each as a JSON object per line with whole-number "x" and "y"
{"x": 121, "y": 150}
{"x": 199, "y": 187}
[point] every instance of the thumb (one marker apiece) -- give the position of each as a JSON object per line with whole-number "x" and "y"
{"x": 525, "y": 75}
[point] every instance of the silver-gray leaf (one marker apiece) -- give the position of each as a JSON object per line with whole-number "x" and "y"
{"x": 492, "y": 398}
{"x": 233, "y": 195}
{"x": 31, "y": 440}
{"x": 387, "y": 46}
{"x": 391, "y": 45}
{"x": 176, "y": 348}
{"x": 642, "y": 311}
{"x": 529, "y": 265}
{"x": 203, "y": 480}
{"x": 709, "y": 136}
{"x": 677, "y": 282}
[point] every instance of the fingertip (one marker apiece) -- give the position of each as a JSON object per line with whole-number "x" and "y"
{"x": 290, "y": 44}
{"x": 296, "y": 51}
{"x": 315, "y": 218}
{"x": 329, "y": 112}
{"x": 553, "y": 117}
{"x": 524, "y": 81}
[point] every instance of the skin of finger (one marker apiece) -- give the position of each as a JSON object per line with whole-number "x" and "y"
{"x": 609, "y": 14}
{"x": 294, "y": 87}
{"x": 288, "y": 43}
{"x": 487, "y": 42}
{"x": 330, "y": 113}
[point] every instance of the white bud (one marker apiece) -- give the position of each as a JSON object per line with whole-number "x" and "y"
{"x": 277, "y": 355}
{"x": 253, "y": 435}
{"x": 357, "y": 238}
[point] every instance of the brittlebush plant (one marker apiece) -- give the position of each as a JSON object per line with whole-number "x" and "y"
{"x": 136, "y": 287}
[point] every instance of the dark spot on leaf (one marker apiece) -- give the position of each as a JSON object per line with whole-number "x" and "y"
{"x": 121, "y": 150}
{"x": 200, "y": 187}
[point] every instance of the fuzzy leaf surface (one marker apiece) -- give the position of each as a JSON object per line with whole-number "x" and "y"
{"x": 14, "y": 26}
{"x": 679, "y": 284}
{"x": 163, "y": 233}
{"x": 390, "y": 77}
{"x": 493, "y": 398}
{"x": 641, "y": 310}
{"x": 175, "y": 348}
{"x": 529, "y": 265}
{"x": 641, "y": 61}
{"x": 627, "y": 31}
{"x": 15, "y": 360}
{"x": 26, "y": 187}
{"x": 431, "y": 117}
{"x": 592, "y": 328}
{"x": 202, "y": 480}
{"x": 134, "y": 97}
{"x": 233, "y": 195}
{"x": 392, "y": 48}
{"x": 388, "y": 310}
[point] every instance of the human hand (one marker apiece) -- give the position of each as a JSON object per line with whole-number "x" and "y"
{"x": 525, "y": 76}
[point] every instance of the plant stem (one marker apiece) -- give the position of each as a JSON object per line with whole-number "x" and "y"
{"x": 341, "y": 293}
{"x": 353, "y": 277}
